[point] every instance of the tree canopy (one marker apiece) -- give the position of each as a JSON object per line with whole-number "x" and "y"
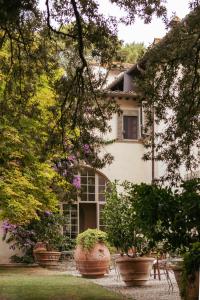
{"x": 50, "y": 103}
{"x": 170, "y": 83}
{"x": 130, "y": 53}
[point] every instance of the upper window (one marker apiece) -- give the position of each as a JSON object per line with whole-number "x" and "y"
{"x": 130, "y": 127}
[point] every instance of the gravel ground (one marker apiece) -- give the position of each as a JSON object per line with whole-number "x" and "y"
{"x": 154, "y": 289}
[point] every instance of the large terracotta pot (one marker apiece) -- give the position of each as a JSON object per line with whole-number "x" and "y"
{"x": 192, "y": 287}
{"x": 47, "y": 258}
{"x": 177, "y": 269}
{"x": 92, "y": 263}
{"x": 135, "y": 271}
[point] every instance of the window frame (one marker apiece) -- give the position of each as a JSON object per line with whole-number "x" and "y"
{"x": 128, "y": 113}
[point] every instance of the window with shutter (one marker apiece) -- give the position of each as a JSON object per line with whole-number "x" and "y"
{"x": 130, "y": 127}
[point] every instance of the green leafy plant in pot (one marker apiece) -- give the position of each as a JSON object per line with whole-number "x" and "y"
{"x": 172, "y": 219}
{"x": 125, "y": 234}
{"x": 92, "y": 255}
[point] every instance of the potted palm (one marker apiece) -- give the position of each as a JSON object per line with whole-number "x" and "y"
{"x": 125, "y": 234}
{"x": 92, "y": 255}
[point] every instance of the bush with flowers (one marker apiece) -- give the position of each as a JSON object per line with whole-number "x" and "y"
{"x": 47, "y": 230}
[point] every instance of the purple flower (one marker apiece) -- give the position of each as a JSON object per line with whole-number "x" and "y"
{"x": 59, "y": 164}
{"x": 48, "y": 213}
{"x": 86, "y": 148}
{"x": 71, "y": 158}
{"x": 7, "y": 226}
{"x": 77, "y": 181}
{"x": 64, "y": 173}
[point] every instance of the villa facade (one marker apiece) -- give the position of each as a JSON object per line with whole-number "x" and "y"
{"x": 127, "y": 150}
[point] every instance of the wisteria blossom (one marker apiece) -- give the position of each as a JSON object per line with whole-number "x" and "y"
{"x": 86, "y": 148}
{"x": 71, "y": 158}
{"x": 77, "y": 181}
{"x": 48, "y": 213}
{"x": 8, "y": 226}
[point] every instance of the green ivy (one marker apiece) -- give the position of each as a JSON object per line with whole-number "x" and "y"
{"x": 90, "y": 237}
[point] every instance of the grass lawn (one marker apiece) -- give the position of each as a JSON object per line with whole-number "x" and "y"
{"x": 29, "y": 284}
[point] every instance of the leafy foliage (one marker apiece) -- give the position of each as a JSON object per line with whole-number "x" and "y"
{"x": 120, "y": 221}
{"x": 191, "y": 264}
{"x": 130, "y": 53}
{"x": 50, "y": 109}
{"x": 167, "y": 217}
{"x": 47, "y": 229}
{"x": 147, "y": 215}
{"x": 170, "y": 87}
{"x": 90, "y": 237}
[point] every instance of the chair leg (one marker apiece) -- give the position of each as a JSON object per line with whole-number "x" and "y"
{"x": 154, "y": 271}
{"x": 158, "y": 268}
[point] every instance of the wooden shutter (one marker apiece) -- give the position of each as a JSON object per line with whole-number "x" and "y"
{"x": 120, "y": 127}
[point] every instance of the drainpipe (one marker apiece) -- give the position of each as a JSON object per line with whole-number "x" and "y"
{"x": 153, "y": 148}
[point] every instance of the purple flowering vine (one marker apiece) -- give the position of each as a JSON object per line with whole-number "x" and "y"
{"x": 86, "y": 148}
{"x": 71, "y": 158}
{"x": 48, "y": 213}
{"x": 77, "y": 181}
{"x": 8, "y": 226}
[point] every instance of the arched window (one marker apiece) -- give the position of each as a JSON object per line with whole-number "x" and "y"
{"x": 86, "y": 211}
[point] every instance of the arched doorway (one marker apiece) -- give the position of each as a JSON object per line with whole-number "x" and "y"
{"x": 86, "y": 211}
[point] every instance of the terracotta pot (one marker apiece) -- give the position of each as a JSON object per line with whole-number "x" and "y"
{"x": 135, "y": 271}
{"x": 192, "y": 287}
{"x": 39, "y": 246}
{"x": 177, "y": 269}
{"x": 92, "y": 263}
{"x": 47, "y": 258}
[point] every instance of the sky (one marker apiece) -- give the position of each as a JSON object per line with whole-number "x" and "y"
{"x": 140, "y": 32}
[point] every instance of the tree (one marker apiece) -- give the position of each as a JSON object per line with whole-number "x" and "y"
{"x": 49, "y": 117}
{"x": 130, "y": 53}
{"x": 35, "y": 133}
{"x": 170, "y": 83}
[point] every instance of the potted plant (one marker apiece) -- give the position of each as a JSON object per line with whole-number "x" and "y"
{"x": 92, "y": 255}
{"x": 126, "y": 236}
{"x": 172, "y": 218}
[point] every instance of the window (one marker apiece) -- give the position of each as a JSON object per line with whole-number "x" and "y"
{"x": 87, "y": 185}
{"x": 86, "y": 211}
{"x": 130, "y": 127}
{"x": 70, "y": 214}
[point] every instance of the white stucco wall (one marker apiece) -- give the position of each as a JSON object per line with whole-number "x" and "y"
{"x": 5, "y": 251}
{"x": 128, "y": 163}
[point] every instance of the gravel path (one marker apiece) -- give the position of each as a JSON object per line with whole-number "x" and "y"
{"x": 154, "y": 290}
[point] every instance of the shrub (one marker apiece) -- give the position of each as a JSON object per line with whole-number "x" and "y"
{"x": 47, "y": 229}
{"x": 90, "y": 237}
